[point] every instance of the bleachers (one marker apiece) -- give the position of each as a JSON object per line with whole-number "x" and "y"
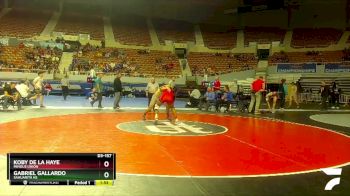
{"x": 218, "y": 37}
{"x": 215, "y": 63}
{"x": 312, "y": 38}
{"x": 145, "y": 64}
{"x": 177, "y": 31}
{"x": 303, "y": 57}
{"x": 76, "y": 23}
{"x": 263, "y": 35}
{"x": 131, "y": 30}
{"x": 15, "y": 56}
{"x": 21, "y": 57}
{"x": 22, "y": 23}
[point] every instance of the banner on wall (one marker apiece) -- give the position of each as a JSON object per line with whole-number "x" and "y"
{"x": 296, "y": 68}
{"x": 51, "y": 45}
{"x": 337, "y": 67}
{"x": 84, "y": 37}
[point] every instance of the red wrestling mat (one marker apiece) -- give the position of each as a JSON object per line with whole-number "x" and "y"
{"x": 247, "y": 147}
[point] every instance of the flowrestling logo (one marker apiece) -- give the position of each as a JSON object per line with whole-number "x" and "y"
{"x": 166, "y": 128}
{"x": 335, "y": 181}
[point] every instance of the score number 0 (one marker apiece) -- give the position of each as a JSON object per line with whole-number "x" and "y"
{"x": 106, "y": 164}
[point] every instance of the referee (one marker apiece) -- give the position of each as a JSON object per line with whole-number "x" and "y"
{"x": 65, "y": 87}
{"x": 151, "y": 88}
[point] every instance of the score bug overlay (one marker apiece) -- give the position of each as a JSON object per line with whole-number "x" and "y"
{"x": 61, "y": 168}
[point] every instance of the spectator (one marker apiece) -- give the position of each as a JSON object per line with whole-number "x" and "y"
{"x": 299, "y": 88}
{"x": 21, "y": 45}
{"x": 335, "y": 95}
{"x": 243, "y": 100}
{"x": 48, "y": 88}
{"x": 172, "y": 83}
{"x": 194, "y": 98}
{"x": 324, "y": 90}
{"x": 93, "y": 95}
{"x": 257, "y": 87}
{"x": 24, "y": 92}
{"x": 217, "y": 84}
{"x": 117, "y": 91}
{"x": 43, "y": 58}
{"x": 225, "y": 99}
{"x": 205, "y": 76}
{"x": 11, "y": 95}
{"x": 208, "y": 99}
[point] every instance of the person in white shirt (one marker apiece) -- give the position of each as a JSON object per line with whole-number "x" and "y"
{"x": 151, "y": 88}
{"x": 194, "y": 98}
{"x": 172, "y": 82}
{"x": 205, "y": 76}
{"x": 92, "y": 73}
{"x": 38, "y": 84}
{"x": 24, "y": 91}
{"x": 195, "y": 94}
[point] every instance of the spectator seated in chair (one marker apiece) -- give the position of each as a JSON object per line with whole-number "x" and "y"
{"x": 48, "y": 88}
{"x": 225, "y": 100}
{"x": 243, "y": 101}
{"x": 209, "y": 99}
{"x": 92, "y": 95}
{"x": 194, "y": 98}
{"x": 24, "y": 92}
{"x": 11, "y": 96}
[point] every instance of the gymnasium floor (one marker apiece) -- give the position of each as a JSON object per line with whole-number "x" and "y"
{"x": 206, "y": 154}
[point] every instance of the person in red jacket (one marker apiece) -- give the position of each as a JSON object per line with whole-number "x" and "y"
{"x": 257, "y": 87}
{"x": 217, "y": 84}
{"x": 48, "y": 88}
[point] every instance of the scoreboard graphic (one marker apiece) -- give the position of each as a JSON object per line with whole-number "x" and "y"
{"x": 61, "y": 168}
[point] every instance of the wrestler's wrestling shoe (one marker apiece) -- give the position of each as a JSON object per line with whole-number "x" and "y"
{"x": 155, "y": 121}
{"x": 176, "y": 122}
